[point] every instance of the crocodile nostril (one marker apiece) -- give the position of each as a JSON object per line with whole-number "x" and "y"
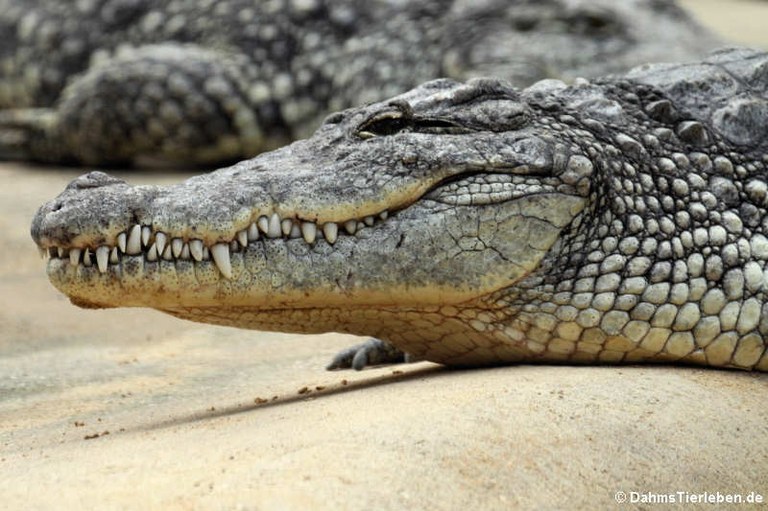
{"x": 56, "y": 206}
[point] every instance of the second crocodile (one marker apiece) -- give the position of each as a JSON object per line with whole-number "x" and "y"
{"x": 116, "y": 82}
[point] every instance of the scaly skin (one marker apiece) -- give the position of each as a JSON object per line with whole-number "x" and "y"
{"x": 622, "y": 220}
{"x": 195, "y": 82}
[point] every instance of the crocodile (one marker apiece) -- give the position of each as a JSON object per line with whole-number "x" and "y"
{"x": 621, "y": 219}
{"x": 194, "y": 83}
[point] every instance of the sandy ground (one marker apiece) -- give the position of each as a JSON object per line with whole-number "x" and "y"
{"x": 131, "y": 409}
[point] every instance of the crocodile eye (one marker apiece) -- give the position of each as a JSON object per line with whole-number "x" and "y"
{"x": 440, "y": 127}
{"x": 389, "y": 123}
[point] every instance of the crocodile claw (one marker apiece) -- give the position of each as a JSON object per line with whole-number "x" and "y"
{"x": 372, "y": 352}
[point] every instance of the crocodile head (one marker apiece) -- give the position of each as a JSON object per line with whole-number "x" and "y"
{"x": 398, "y": 220}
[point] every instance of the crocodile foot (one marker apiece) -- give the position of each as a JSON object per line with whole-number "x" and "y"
{"x": 372, "y": 352}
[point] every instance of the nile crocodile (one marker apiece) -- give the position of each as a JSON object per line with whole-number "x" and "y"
{"x": 618, "y": 220}
{"x": 203, "y": 81}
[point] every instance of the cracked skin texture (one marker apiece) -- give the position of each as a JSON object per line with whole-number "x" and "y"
{"x": 116, "y": 82}
{"x": 621, "y": 220}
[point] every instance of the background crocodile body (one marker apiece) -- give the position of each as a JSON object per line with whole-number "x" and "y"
{"x": 618, "y": 220}
{"x": 196, "y": 82}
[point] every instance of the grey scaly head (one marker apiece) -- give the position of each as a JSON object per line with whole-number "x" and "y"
{"x": 620, "y": 220}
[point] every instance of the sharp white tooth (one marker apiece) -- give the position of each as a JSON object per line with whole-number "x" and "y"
{"x": 185, "y": 252}
{"x": 87, "y": 258}
{"x": 308, "y": 231}
{"x": 330, "y": 231}
{"x": 350, "y": 226}
{"x": 368, "y": 220}
{"x": 114, "y": 256}
{"x": 121, "y": 239}
{"x": 176, "y": 245}
{"x": 152, "y": 253}
{"x": 253, "y": 232}
{"x": 360, "y": 225}
{"x": 160, "y": 239}
{"x": 133, "y": 246}
{"x": 263, "y": 224}
{"x": 286, "y": 226}
{"x": 206, "y": 254}
{"x": 60, "y": 252}
{"x": 146, "y": 232}
{"x": 220, "y": 253}
{"x": 242, "y": 237}
{"x": 42, "y": 252}
{"x": 74, "y": 256}
{"x": 295, "y": 231}
{"x": 384, "y": 215}
{"x": 274, "y": 230}
{"x": 102, "y": 258}
{"x": 196, "y": 249}
{"x": 167, "y": 253}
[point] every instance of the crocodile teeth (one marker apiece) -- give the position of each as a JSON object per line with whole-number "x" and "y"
{"x": 135, "y": 241}
{"x": 286, "y": 226}
{"x": 176, "y": 245}
{"x": 263, "y": 224}
{"x": 253, "y": 232}
{"x": 220, "y": 253}
{"x": 145, "y": 233}
{"x": 167, "y": 253}
{"x": 87, "y": 258}
{"x": 74, "y": 256}
{"x": 350, "y": 226}
{"x": 275, "y": 229}
{"x": 121, "y": 240}
{"x": 152, "y": 253}
{"x": 160, "y": 239}
{"x": 242, "y": 237}
{"x": 43, "y": 253}
{"x": 196, "y": 249}
{"x": 133, "y": 246}
{"x": 308, "y": 231}
{"x": 102, "y": 258}
{"x": 330, "y": 231}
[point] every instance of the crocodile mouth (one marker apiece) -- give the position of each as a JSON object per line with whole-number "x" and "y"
{"x": 154, "y": 245}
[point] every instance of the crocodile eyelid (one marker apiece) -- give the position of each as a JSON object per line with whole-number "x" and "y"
{"x": 384, "y": 123}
